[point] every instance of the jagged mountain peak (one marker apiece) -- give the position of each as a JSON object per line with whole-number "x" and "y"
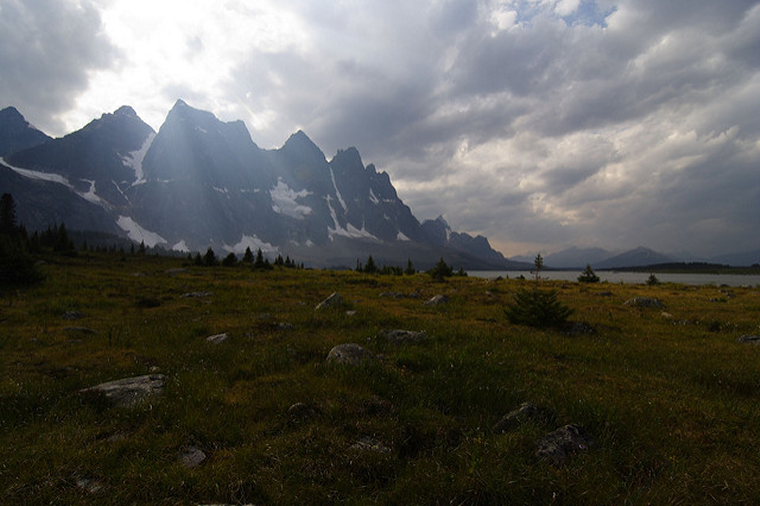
{"x": 16, "y": 133}
{"x": 302, "y": 148}
{"x": 11, "y": 113}
{"x": 125, "y": 110}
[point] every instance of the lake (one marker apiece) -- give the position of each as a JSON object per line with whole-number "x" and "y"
{"x": 634, "y": 277}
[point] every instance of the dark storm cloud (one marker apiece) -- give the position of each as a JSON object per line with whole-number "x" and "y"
{"x": 47, "y": 49}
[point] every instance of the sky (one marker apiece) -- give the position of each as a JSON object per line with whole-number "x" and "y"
{"x": 540, "y": 124}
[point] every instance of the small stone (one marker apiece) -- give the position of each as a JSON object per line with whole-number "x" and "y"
{"x": 197, "y": 294}
{"x": 301, "y": 411}
{"x": 526, "y": 412}
{"x": 128, "y": 392}
{"x": 392, "y": 295}
{"x": 400, "y": 336}
{"x": 437, "y": 300}
{"x": 349, "y": 353}
{"x": 285, "y": 326}
{"x": 192, "y": 456}
{"x": 368, "y": 444}
{"x": 90, "y": 485}
{"x": 154, "y": 369}
{"x": 335, "y": 299}
{"x": 666, "y": 315}
{"x": 578, "y": 329}
{"x": 645, "y": 302}
{"x": 218, "y": 338}
{"x": 73, "y": 315}
{"x": 749, "y": 339}
{"x": 351, "y": 313}
{"x": 81, "y": 330}
{"x": 558, "y": 446}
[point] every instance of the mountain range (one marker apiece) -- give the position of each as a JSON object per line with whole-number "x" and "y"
{"x": 599, "y": 258}
{"x": 200, "y": 182}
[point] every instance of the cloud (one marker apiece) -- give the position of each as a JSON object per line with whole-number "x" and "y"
{"x": 534, "y": 122}
{"x": 47, "y": 50}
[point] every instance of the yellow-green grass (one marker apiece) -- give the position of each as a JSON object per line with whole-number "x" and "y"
{"x": 669, "y": 396}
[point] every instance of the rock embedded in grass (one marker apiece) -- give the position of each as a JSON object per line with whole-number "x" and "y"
{"x": 218, "y": 338}
{"x": 128, "y": 392}
{"x": 400, "y": 336}
{"x": 195, "y": 295}
{"x": 73, "y": 315}
{"x": 437, "y": 300}
{"x": 645, "y": 302}
{"x": 369, "y": 444}
{"x": 300, "y": 412}
{"x": 334, "y": 300}
{"x": 749, "y": 339}
{"x": 524, "y": 413}
{"x": 558, "y": 446}
{"x": 349, "y": 353}
{"x": 192, "y": 456}
{"x": 80, "y": 330}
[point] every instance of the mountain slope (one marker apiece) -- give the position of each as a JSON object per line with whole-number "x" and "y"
{"x": 16, "y": 133}
{"x": 636, "y": 257}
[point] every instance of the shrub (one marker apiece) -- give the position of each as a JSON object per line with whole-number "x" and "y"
{"x": 441, "y": 270}
{"x": 588, "y": 275}
{"x": 537, "y": 308}
{"x": 652, "y": 280}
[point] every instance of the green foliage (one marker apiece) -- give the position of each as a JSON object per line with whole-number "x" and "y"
{"x": 537, "y": 308}
{"x": 652, "y": 280}
{"x": 230, "y": 260}
{"x": 248, "y": 256}
{"x": 17, "y": 265}
{"x": 261, "y": 263}
{"x": 209, "y": 259}
{"x": 441, "y": 271}
{"x": 588, "y": 275}
{"x": 410, "y": 270}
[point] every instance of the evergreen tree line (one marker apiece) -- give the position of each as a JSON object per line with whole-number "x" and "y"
{"x": 440, "y": 271}
{"x": 257, "y": 262}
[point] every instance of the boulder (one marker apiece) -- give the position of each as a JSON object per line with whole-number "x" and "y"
{"x": 194, "y": 295}
{"x": 192, "y": 456}
{"x": 749, "y": 339}
{"x": 558, "y": 446}
{"x": 73, "y": 315}
{"x": 399, "y": 336}
{"x": 128, "y": 392}
{"x": 524, "y": 413}
{"x": 368, "y": 444}
{"x": 652, "y": 302}
{"x": 218, "y": 338}
{"x": 349, "y": 353}
{"x": 437, "y": 300}
{"x": 334, "y": 300}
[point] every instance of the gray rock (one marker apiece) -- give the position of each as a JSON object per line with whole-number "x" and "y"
{"x": 524, "y": 413}
{"x": 285, "y": 326}
{"x": 301, "y": 411}
{"x": 89, "y": 485}
{"x": 351, "y": 313}
{"x": 218, "y": 338}
{"x": 368, "y": 444}
{"x": 334, "y": 300}
{"x": 749, "y": 339}
{"x": 192, "y": 456}
{"x": 437, "y": 300}
{"x": 400, "y": 336}
{"x": 558, "y": 446}
{"x": 73, "y": 315}
{"x": 645, "y": 302}
{"x": 197, "y": 294}
{"x": 128, "y": 392}
{"x": 349, "y": 353}
{"x": 578, "y": 329}
{"x": 80, "y": 330}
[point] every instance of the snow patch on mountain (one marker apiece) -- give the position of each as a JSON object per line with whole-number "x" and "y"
{"x": 373, "y": 197}
{"x": 138, "y": 233}
{"x": 253, "y": 242}
{"x": 181, "y": 246}
{"x": 401, "y": 237}
{"x": 35, "y": 174}
{"x": 91, "y": 196}
{"x": 350, "y": 230}
{"x": 134, "y": 159}
{"x": 284, "y": 201}
{"x": 337, "y": 192}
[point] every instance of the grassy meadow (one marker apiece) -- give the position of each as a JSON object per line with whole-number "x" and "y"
{"x": 668, "y": 395}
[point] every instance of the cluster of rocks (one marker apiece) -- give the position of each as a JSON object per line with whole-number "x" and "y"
{"x": 556, "y": 447}
{"x": 645, "y": 302}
